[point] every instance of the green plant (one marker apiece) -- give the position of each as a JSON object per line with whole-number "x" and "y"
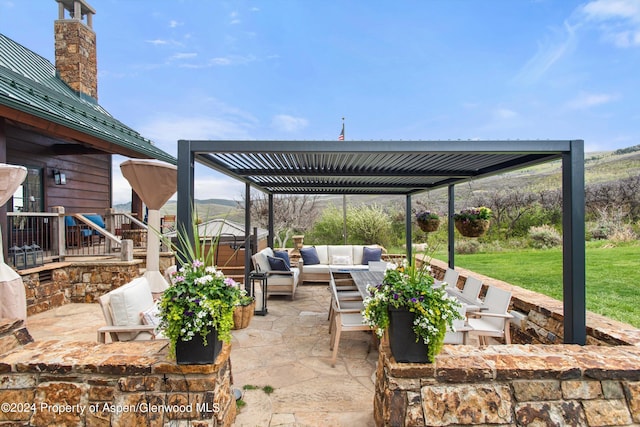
{"x": 544, "y": 237}
{"x": 473, "y": 214}
{"x": 245, "y": 299}
{"x": 411, "y": 287}
{"x": 425, "y": 215}
{"x": 200, "y": 297}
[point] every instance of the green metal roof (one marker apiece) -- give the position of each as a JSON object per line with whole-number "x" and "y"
{"x": 28, "y": 83}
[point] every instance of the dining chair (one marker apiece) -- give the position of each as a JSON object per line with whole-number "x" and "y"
{"x": 450, "y": 278}
{"x": 344, "y": 320}
{"x": 470, "y": 292}
{"x": 495, "y": 319}
{"x": 458, "y": 335}
{"x": 347, "y": 292}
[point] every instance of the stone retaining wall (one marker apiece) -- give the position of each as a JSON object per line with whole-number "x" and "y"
{"x": 55, "y": 284}
{"x": 74, "y": 282}
{"x": 516, "y": 385}
{"x": 56, "y": 383}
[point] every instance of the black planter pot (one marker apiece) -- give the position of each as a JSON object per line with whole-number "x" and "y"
{"x": 194, "y": 352}
{"x": 402, "y": 339}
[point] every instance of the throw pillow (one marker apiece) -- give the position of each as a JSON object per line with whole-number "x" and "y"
{"x": 371, "y": 254}
{"x": 284, "y": 255}
{"x": 341, "y": 260}
{"x": 277, "y": 264}
{"x": 309, "y": 256}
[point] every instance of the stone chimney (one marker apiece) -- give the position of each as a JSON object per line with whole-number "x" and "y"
{"x": 75, "y": 43}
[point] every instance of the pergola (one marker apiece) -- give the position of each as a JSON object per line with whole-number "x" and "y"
{"x": 396, "y": 168}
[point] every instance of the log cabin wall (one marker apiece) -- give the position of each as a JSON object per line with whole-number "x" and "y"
{"x": 88, "y": 176}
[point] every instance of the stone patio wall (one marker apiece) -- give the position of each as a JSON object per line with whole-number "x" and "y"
{"x": 67, "y": 282}
{"x": 55, "y": 284}
{"x": 517, "y": 385}
{"x": 56, "y": 383}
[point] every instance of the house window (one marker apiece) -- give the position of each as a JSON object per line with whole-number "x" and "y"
{"x": 28, "y": 197}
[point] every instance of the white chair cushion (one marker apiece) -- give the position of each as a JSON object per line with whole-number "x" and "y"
{"x": 127, "y": 302}
{"x": 282, "y": 279}
{"x": 262, "y": 261}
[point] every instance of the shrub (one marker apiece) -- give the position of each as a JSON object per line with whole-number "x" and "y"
{"x": 544, "y": 237}
{"x": 467, "y": 247}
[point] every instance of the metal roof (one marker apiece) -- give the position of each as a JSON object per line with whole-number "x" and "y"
{"x": 368, "y": 167}
{"x": 29, "y": 84}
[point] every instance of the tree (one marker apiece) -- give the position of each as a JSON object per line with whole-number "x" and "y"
{"x": 291, "y": 215}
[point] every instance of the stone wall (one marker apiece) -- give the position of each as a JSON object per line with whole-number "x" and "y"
{"x": 56, "y": 383}
{"x": 74, "y": 282}
{"x": 539, "y": 318}
{"x": 516, "y": 385}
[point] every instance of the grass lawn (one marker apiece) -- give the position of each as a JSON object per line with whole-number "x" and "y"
{"x": 613, "y": 276}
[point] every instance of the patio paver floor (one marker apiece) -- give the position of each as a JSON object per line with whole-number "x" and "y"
{"x": 288, "y": 349}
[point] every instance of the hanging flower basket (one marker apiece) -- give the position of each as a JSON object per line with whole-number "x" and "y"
{"x": 472, "y": 228}
{"x": 428, "y": 225}
{"x": 473, "y": 222}
{"x": 427, "y": 221}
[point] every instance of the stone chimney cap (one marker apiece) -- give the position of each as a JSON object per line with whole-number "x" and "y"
{"x": 84, "y": 7}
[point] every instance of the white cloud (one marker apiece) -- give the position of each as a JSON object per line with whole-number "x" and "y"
{"x": 158, "y": 42}
{"x": 232, "y": 60}
{"x": 184, "y": 55}
{"x": 166, "y": 130}
{"x": 549, "y": 52}
{"x": 288, "y": 123}
{"x": 618, "y": 20}
{"x": 174, "y": 24}
{"x": 588, "y": 100}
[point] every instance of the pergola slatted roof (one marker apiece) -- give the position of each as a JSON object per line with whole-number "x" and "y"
{"x": 401, "y": 168}
{"x": 368, "y": 167}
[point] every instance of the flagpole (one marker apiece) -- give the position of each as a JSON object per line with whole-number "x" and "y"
{"x": 344, "y": 198}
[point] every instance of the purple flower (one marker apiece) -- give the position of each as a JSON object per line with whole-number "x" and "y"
{"x": 197, "y": 263}
{"x": 229, "y": 281}
{"x": 396, "y": 296}
{"x": 188, "y": 313}
{"x": 414, "y": 300}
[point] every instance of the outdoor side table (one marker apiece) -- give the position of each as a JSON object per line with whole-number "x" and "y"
{"x": 256, "y": 278}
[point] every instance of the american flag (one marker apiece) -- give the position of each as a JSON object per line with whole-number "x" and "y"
{"x": 341, "y": 136}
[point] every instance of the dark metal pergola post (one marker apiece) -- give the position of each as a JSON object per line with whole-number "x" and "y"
{"x": 184, "y": 217}
{"x": 408, "y": 236}
{"x": 270, "y": 237}
{"x": 451, "y": 241}
{"x": 247, "y": 232}
{"x": 573, "y": 247}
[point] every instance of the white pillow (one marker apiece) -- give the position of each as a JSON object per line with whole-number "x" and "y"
{"x": 341, "y": 260}
{"x": 151, "y": 316}
{"x": 127, "y": 302}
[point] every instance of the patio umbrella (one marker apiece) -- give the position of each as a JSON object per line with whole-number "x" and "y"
{"x": 13, "y": 301}
{"x": 155, "y": 183}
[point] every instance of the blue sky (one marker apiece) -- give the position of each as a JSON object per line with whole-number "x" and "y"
{"x": 405, "y": 69}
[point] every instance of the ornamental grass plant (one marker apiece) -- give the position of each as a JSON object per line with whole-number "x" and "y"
{"x": 200, "y": 298}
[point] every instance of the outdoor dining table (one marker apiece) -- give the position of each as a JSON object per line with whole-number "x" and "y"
{"x": 364, "y": 278}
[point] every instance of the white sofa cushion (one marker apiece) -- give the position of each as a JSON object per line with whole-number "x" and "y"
{"x": 128, "y": 302}
{"x": 341, "y": 260}
{"x": 262, "y": 261}
{"x": 339, "y": 250}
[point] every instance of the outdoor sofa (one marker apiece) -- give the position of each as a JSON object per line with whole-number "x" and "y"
{"x": 316, "y": 262}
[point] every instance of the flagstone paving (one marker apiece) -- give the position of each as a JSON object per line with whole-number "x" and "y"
{"x": 288, "y": 349}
